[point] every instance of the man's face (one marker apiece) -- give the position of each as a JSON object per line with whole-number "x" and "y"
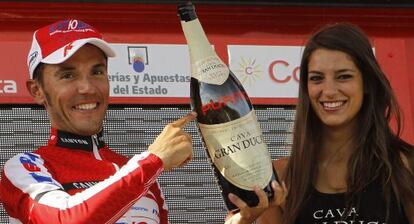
{"x": 76, "y": 92}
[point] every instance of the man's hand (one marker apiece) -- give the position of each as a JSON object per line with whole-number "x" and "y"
{"x": 248, "y": 215}
{"x": 173, "y": 146}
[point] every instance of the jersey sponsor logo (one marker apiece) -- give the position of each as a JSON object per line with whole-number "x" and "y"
{"x": 40, "y": 178}
{"x": 154, "y": 211}
{"x": 74, "y": 141}
{"x": 67, "y": 48}
{"x": 144, "y": 211}
{"x": 28, "y": 161}
{"x": 29, "y": 164}
{"x": 79, "y": 185}
{"x": 33, "y": 57}
{"x": 69, "y": 26}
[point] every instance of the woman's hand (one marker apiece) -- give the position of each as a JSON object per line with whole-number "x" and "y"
{"x": 247, "y": 214}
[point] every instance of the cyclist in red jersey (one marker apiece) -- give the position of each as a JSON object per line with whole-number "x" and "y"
{"x": 76, "y": 178}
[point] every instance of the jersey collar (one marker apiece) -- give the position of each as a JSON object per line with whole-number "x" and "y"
{"x": 74, "y": 141}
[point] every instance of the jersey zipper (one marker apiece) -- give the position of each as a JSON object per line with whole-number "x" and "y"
{"x": 95, "y": 147}
{"x": 96, "y": 151}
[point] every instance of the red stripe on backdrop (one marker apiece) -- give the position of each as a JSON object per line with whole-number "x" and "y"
{"x": 410, "y": 69}
{"x": 391, "y": 54}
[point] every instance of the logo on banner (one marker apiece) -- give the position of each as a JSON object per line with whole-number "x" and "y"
{"x": 280, "y": 71}
{"x": 248, "y": 71}
{"x": 8, "y": 86}
{"x": 138, "y": 58}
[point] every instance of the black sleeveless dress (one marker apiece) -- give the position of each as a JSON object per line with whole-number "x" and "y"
{"x": 322, "y": 208}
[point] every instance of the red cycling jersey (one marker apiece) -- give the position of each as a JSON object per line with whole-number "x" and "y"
{"x": 78, "y": 179}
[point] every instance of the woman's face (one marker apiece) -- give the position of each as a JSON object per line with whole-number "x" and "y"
{"x": 335, "y": 87}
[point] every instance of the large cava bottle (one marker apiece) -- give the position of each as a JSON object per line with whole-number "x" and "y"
{"x": 226, "y": 119}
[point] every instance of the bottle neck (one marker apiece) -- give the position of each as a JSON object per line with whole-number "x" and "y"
{"x": 198, "y": 44}
{"x": 206, "y": 66}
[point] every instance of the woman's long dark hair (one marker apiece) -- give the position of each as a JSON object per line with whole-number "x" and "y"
{"x": 377, "y": 146}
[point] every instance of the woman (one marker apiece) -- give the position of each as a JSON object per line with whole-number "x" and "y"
{"x": 346, "y": 164}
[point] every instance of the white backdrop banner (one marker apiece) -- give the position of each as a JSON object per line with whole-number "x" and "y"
{"x": 163, "y": 71}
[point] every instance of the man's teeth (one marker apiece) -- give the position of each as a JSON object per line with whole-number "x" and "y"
{"x": 88, "y": 106}
{"x": 333, "y": 104}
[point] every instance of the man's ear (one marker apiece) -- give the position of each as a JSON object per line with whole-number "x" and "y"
{"x": 36, "y": 91}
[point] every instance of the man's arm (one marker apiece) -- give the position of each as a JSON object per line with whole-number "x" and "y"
{"x": 35, "y": 197}
{"x": 30, "y": 194}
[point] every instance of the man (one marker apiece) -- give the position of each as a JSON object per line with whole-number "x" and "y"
{"x": 76, "y": 178}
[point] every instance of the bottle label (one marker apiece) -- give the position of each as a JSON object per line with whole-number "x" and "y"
{"x": 210, "y": 70}
{"x": 238, "y": 150}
